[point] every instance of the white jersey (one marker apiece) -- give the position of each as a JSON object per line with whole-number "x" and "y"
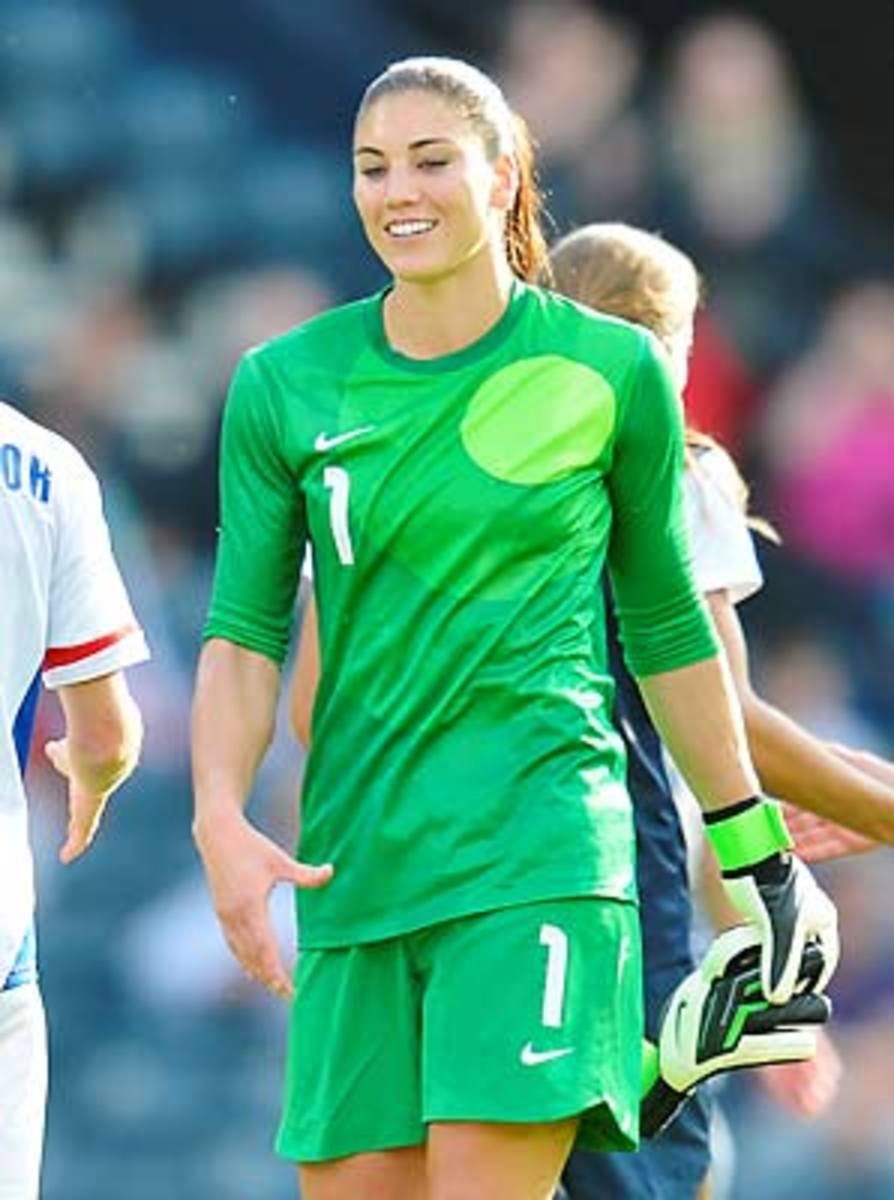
{"x": 64, "y": 615}
{"x": 723, "y": 556}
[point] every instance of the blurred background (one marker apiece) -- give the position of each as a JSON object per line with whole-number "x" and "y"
{"x": 174, "y": 187}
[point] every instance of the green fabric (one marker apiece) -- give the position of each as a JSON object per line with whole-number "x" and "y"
{"x": 461, "y": 512}
{"x": 526, "y": 1014}
{"x": 750, "y": 836}
{"x": 650, "y": 1067}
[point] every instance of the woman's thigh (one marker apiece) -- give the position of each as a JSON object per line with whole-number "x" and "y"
{"x": 379, "y": 1175}
{"x": 495, "y": 1161}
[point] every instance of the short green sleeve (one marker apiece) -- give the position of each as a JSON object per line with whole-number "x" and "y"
{"x": 263, "y": 526}
{"x": 662, "y": 619}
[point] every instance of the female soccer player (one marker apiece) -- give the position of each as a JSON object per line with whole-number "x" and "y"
{"x": 638, "y": 276}
{"x": 464, "y": 452}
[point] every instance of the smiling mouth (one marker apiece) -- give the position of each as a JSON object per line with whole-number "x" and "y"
{"x": 409, "y": 229}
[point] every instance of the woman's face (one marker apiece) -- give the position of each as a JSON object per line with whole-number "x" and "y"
{"x": 428, "y": 198}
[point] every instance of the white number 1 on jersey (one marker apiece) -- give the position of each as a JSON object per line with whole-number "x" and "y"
{"x": 337, "y": 480}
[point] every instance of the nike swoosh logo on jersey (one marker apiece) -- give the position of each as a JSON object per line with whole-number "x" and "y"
{"x": 530, "y": 1057}
{"x": 324, "y": 442}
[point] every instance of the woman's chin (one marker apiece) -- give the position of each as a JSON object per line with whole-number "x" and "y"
{"x": 418, "y": 272}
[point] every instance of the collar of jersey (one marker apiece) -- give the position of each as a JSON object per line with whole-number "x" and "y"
{"x": 476, "y": 350}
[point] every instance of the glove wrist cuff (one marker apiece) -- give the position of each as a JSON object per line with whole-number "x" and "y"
{"x": 747, "y": 833}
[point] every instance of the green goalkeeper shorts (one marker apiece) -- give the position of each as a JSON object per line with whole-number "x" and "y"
{"x": 523, "y": 1014}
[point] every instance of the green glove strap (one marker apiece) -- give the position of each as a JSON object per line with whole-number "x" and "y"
{"x": 747, "y": 833}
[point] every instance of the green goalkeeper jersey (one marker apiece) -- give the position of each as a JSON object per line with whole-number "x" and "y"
{"x": 460, "y": 511}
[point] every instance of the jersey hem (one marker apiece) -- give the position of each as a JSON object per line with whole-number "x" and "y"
{"x": 412, "y": 920}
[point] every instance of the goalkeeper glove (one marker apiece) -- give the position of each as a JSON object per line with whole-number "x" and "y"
{"x": 718, "y": 1019}
{"x": 774, "y": 891}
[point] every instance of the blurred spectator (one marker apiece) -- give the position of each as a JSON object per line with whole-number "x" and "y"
{"x": 745, "y": 189}
{"x": 805, "y": 676}
{"x": 827, "y": 442}
{"x": 574, "y": 71}
{"x": 828, "y": 439}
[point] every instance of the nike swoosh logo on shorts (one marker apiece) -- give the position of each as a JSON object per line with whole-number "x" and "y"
{"x": 324, "y": 442}
{"x": 530, "y": 1057}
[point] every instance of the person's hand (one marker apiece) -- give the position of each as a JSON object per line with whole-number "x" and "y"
{"x": 805, "y": 1089}
{"x": 85, "y": 808}
{"x": 774, "y": 891}
{"x": 817, "y": 839}
{"x": 781, "y": 898}
{"x": 242, "y": 867}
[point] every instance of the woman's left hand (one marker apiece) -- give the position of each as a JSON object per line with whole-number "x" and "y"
{"x": 817, "y": 839}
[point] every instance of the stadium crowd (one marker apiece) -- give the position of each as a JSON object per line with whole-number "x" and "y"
{"x": 160, "y": 212}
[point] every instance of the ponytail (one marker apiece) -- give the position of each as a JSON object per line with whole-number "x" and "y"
{"x": 525, "y": 242}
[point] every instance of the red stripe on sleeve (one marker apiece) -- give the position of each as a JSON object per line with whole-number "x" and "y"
{"x": 63, "y": 656}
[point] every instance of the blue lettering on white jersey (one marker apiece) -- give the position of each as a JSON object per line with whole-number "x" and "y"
{"x": 39, "y": 474}
{"x": 11, "y": 466}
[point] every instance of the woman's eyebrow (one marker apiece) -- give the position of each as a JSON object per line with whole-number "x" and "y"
{"x": 418, "y": 144}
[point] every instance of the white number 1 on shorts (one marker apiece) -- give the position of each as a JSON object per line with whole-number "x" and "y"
{"x": 556, "y": 942}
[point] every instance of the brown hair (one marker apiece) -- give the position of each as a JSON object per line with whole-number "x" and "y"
{"x": 480, "y": 101}
{"x": 628, "y": 273}
{"x": 640, "y": 277}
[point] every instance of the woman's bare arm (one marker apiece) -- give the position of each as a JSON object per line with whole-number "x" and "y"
{"x": 792, "y": 763}
{"x": 233, "y": 721}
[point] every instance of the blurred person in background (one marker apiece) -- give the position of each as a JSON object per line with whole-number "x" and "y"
{"x": 581, "y": 99}
{"x": 445, "y": 190}
{"x": 67, "y": 619}
{"x": 745, "y": 190}
{"x": 827, "y": 440}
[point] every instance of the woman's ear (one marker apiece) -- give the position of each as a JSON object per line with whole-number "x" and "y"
{"x": 505, "y": 186}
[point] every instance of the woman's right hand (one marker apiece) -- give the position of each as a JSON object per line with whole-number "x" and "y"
{"x": 242, "y": 867}
{"x": 805, "y": 1089}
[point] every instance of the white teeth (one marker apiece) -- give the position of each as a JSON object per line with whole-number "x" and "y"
{"x": 409, "y": 228}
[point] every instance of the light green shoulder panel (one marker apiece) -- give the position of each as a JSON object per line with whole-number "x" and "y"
{"x": 539, "y": 419}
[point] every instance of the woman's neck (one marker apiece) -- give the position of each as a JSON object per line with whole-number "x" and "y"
{"x": 431, "y": 319}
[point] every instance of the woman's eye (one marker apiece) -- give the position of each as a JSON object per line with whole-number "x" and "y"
{"x": 428, "y": 164}
{"x": 372, "y": 172}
